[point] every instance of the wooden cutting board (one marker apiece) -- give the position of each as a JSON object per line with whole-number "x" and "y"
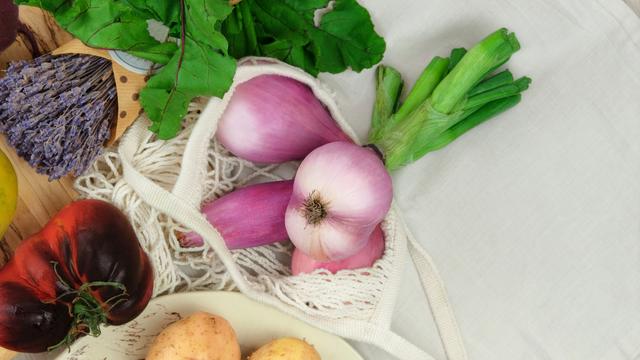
{"x": 39, "y": 199}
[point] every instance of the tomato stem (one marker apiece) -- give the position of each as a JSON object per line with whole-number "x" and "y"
{"x": 87, "y": 312}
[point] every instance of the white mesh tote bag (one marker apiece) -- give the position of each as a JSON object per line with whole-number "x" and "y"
{"x": 161, "y": 185}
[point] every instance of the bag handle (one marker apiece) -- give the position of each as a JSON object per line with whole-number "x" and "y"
{"x": 436, "y": 294}
{"x": 183, "y": 203}
{"x": 166, "y": 201}
{"x": 169, "y": 203}
{"x": 190, "y": 180}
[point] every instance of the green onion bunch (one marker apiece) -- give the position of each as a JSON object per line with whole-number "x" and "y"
{"x": 451, "y": 96}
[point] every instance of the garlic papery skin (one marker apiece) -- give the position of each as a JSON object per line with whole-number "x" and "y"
{"x": 341, "y": 192}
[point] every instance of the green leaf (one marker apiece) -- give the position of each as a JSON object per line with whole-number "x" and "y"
{"x": 476, "y": 118}
{"x": 306, "y": 8}
{"x": 108, "y": 24}
{"x": 499, "y": 79}
{"x": 202, "y": 17}
{"x": 294, "y": 55}
{"x": 167, "y": 12}
{"x": 200, "y": 68}
{"x": 48, "y": 5}
{"x": 503, "y": 91}
{"x": 281, "y": 21}
{"x": 203, "y": 65}
{"x": 344, "y": 38}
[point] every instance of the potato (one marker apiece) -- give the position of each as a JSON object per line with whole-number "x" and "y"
{"x": 201, "y": 336}
{"x": 287, "y": 348}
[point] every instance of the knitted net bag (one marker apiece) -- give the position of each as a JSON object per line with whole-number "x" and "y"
{"x": 161, "y": 185}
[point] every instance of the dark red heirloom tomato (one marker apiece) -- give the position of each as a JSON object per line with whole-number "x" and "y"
{"x": 83, "y": 269}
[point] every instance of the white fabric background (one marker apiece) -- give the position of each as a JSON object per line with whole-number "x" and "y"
{"x": 532, "y": 218}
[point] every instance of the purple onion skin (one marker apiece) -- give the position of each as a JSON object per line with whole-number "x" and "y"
{"x": 341, "y": 192}
{"x": 372, "y": 251}
{"x": 247, "y": 217}
{"x": 273, "y": 119}
{"x": 8, "y": 23}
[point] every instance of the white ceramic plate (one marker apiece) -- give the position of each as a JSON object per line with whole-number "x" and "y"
{"x": 254, "y": 323}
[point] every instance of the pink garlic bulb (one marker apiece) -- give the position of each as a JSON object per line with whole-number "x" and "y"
{"x": 273, "y": 119}
{"x": 341, "y": 192}
{"x": 247, "y": 217}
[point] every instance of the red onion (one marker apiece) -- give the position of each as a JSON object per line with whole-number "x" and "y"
{"x": 273, "y": 119}
{"x": 372, "y": 251}
{"x": 9, "y": 23}
{"x": 340, "y": 194}
{"x": 11, "y": 26}
{"x": 248, "y": 217}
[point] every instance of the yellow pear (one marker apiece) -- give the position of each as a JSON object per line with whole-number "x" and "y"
{"x": 8, "y": 193}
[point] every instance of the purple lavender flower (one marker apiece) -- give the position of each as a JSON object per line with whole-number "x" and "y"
{"x": 57, "y": 111}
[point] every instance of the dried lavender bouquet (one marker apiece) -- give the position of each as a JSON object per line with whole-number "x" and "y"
{"x": 57, "y": 111}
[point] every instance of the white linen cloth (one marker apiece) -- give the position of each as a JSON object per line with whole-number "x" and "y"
{"x": 533, "y": 218}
